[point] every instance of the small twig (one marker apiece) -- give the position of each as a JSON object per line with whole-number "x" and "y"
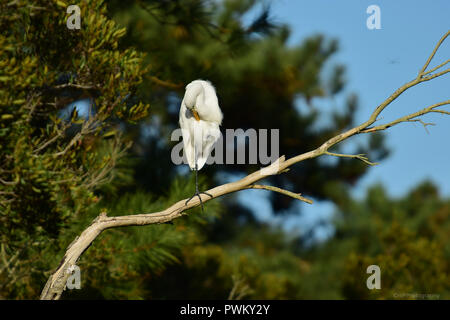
{"x": 240, "y": 289}
{"x": 6, "y": 262}
{"x": 437, "y": 67}
{"x": 164, "y": 83}
{"x": 74, "y": 85}
{"x": 53, "y": 139}
{"x": 102, "y": 175}
{"x": 425, "y": 124}
{"x": 87, "y": 128}
{"x": 9, "y": 183}
{"x": 282, "y": 191}
{"x": 441, "y": 111}
{"x": 425, "y": 66}
{"x": 427, "y": 78}
{"x": 360, "y": 156}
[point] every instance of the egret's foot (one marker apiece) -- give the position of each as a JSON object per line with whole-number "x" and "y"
{"x": 197, "y": 194}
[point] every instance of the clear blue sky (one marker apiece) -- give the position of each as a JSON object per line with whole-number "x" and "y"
{"x": 378, "y": 62}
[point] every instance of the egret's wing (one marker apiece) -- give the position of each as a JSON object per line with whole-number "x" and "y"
{"x": 187, "y": 126}
{"x": 188, "y": 147}
{"x": 210, "y": 134}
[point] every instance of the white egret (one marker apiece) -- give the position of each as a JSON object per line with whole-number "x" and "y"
{"x": 200, "y": 118}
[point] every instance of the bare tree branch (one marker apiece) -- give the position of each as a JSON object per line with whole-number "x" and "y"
{"x": 410, "y": 117}
{"x": 57, "y": 281}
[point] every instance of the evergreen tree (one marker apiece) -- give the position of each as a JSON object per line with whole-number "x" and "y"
{"x": 54, "y": 157}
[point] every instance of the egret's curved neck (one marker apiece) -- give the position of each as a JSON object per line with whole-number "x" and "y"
{"x": 193, "y": 90}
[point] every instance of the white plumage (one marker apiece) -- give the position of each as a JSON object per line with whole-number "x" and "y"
{"x": 200, "y": 118}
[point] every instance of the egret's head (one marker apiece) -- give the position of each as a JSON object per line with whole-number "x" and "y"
{"x": 195, "y": 113}
{"x": 193, "y": 91}
{"x": 201, "y": 101}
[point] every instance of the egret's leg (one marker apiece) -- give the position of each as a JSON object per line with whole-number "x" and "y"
{"x": 196, "y": 184}
{"x": 197, "y": 193}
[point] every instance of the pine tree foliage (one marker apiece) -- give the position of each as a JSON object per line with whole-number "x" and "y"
{"x": 50, "y": 164}
{"x": 408, "y": 239}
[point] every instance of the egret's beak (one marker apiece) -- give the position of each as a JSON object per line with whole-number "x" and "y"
{"x": 196, "y": 116}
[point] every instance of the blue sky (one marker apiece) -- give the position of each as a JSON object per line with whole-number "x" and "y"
{"x": 378, "y": 62}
